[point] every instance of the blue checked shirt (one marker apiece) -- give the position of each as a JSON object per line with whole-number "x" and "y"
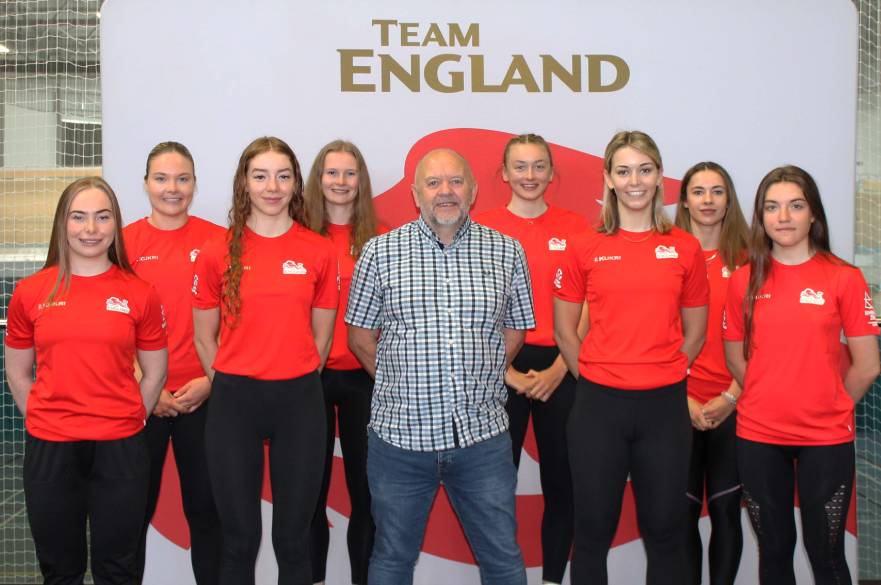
{"x": 440, "y": 359}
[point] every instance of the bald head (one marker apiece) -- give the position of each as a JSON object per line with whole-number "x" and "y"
{"x": 444, "y": 190}
{"x": 441, "y": 153}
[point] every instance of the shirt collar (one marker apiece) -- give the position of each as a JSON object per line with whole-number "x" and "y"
{"x": 429, "y": 233}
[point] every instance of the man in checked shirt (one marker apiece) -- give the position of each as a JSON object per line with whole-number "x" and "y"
{"x": 453, "y": 300}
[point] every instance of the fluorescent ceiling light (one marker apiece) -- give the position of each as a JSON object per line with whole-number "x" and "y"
{"x": 80, "y": 121}
{"x": 3, "y": 49}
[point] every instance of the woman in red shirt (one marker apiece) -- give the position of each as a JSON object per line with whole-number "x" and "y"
{"x": 708, "y": 209}
{"x": 538, "y": 382}
{"x": 784, "y": 318}
{"x": 645, "y": 284}
{"x": 83, "y": 319}
{"x": 162, "y": 249}
{"x": 339, "y": 205}
{"x": 269, "y": 289}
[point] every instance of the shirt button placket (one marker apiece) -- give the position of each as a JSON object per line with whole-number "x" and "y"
{"x": 450, "y": 319}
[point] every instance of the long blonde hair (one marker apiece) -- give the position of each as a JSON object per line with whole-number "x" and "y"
{"x": 363, "y": 214}
{"x": 610, "y": 218}
{"x": 59, "y": 247}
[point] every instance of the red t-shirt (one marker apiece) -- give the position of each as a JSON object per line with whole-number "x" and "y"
{"x": 544, "y": 240}
{"x": 709, "y": 373}
{"x": 341, "y": 357}
{"x": 635, "y": 285}
{"x": 793, "y": 390}
{"x": 165, "y": 258}
{"x": 85, "y": 342}
{"x": 285, "y": 277}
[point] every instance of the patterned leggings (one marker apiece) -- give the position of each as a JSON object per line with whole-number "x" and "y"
{"x": 824, "y": 477}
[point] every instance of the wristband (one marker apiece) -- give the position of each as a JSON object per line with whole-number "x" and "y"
{"x": 729, "y": 397}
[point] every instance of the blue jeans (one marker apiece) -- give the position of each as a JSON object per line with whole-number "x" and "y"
{"x": 480, "y": 482}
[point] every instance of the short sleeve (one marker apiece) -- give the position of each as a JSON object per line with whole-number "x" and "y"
{"x": 520, "y": 314}
{"x": 732, "y": 316}
{"x": 19, "y": 325}
{"x": 208, "y": 276}
{"x": 696, "y": 287}
{"x": 855, "y": 305}
{"x": 569, "y": 279}
{"x": 150, "y": 330}
{"x": 365, "y": 294}
{"x": 327, "y": 287}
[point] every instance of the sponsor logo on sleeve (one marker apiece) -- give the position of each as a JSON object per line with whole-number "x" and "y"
{"x": 194, "y": 253}
{"x": 162, "y": 311}
{"x": 870, "y": 310}
{"x": 195, "y": 283}
{"x": 810, "y": 296}
{"x": 558, "y": 278}
{"x": 556, "y": 245}
{"x": 118, "y": 305}
{"x": 663, "y": 252}
{"x": 291, "y": 267}
{"x": 724, "y": 320}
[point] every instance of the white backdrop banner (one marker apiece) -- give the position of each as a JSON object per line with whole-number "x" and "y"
{"x": 749, "y": 84}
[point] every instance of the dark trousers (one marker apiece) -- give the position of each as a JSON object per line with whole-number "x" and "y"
{"x": 824, "y": 478}
{"x": 70, "y": 484}
{"x": 549, "y": 423}
{"x": 714, "y": 467}
{"x": 347, "y": 394}
{"x": 242, "y": 414}
{"x": 187, "y": 435}
{"x": 646, "y": 434}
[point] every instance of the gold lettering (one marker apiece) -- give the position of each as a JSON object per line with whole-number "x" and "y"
{"x": 457, "y": 78}
{"x": 384, "y": 26}
{"x": 390, "y": 67}
{"x": 552, "y": 68}
{"x": 434, "y": 35}
{"x": 409, "y": 30}
{"x": 519, "y": 73}
{"x": 348, "y": 70}
{"x": 478, "y": 77}
{"x": 595, "y": 73}
{"x": 470, "y": 38}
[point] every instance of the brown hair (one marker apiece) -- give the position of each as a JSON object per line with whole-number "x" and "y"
{"x": 363, "y": 214}
{"x": 610, "y": 219}
{"x": 241, "y": 211}
{"x": 527, "y": 139}
{"x": 732, "y": 242}
{"x": 169, "y": 146}
{"x": 760, "y": 243}
{"x": 59, "y": 248}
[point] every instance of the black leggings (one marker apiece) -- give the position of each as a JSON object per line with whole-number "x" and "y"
{"x": 187, "y": 435}
{"x": 349, "y": 391}
{"x": 69, "y": 484}
{"x": 824, "y": 476}
{"x": 242, "y": 413}
{"x": 549, "y": 422}
{"x": 644, "y": 433}
{"x": 714, "y": 465}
